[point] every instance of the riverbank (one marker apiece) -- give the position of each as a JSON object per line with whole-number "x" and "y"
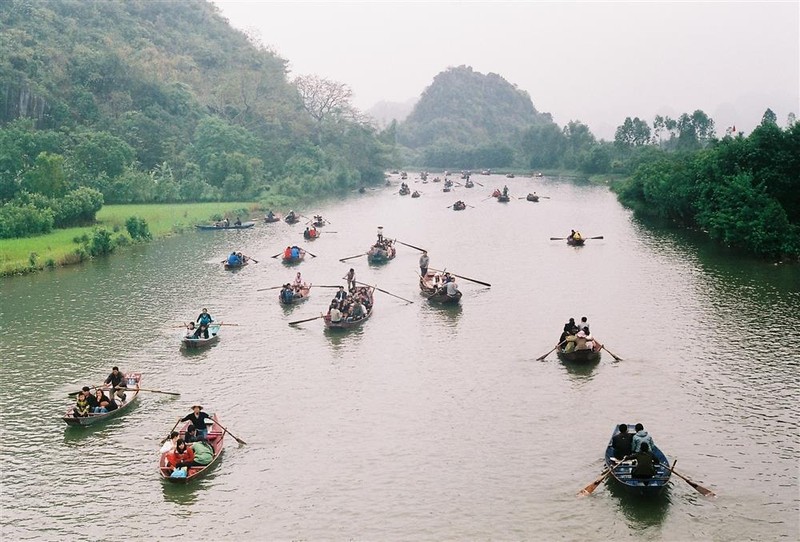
{"x": 58, "y": 248}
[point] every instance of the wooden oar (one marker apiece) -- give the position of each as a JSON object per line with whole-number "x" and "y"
{"x": 616, "y": 358}
{"x": 312, "y": 255}
{"x": 270, "y": 288}
{"x": 384, "y": 291}
{"x": 479, "y": 184}
{"x": 558, "y": 238}
{"x": 594, "y": 485}
{"x": 221, "y": 324}
{"x": 702, "y": 490}
{"x": 153, "y": 391}
{"x": 240, "y": 441}
{"x": 465, "y": 278}
{"x": 278, "y": 254}
{"x": 411, "y": 246}
{"x": 306, "y": 320}
{"x": 325, "y": 286}
{"x": 165, "y": 439}
{"x": 541, "y": 358}
{"x": 250, "y": 257}
{"x": 74, "y": 393}
{"x": 351, "y": 257}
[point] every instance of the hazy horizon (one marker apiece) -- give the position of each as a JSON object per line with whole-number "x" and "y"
{"x": 593, "y": 62}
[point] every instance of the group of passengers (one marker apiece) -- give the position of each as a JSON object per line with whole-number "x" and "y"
{"x": 236, "y": 259}
{"x": 198, "y": 328}
{"x": 226, "y": 223}
{"x": 100, "y": 403}
{"x": 577, "y": 337}
{"x": 293, "y": 253}
{"x": 383, "y": 243}
{"x": 294, "y": 290}
{"x": 189, "y": 449}
{"x": 638, "y": 446}
{"x": 350, "y": 306}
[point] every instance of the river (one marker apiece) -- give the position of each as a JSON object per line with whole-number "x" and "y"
{"x": 426, "y": 423}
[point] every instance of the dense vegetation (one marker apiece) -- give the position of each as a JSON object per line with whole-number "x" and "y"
{"x": 466, "y": 119}
{"x": 122, "y": 101}
{"x": 743, "y": 191}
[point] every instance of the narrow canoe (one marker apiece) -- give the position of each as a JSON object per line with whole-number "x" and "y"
{"x": 133, "y": 380}
{"x": 298, "y": 297}
{"x": 621, "y": 472}
{"x": 430, "y": 290}
{"x": 209, "y": 227}
{"x": 579, "y": 356}
{"x": 213, "y": 336}
{"x": 215, "y": 438}
{"x": 349, "y": 323}
{"x": 380, "y": 255}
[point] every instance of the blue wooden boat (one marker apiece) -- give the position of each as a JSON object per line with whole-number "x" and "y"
{"x": 213, "y": 336}
{"x": 621, "y": 471}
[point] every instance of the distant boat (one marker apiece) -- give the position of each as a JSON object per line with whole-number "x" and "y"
{"x": 532, "y": 197}
{"x": 221, "y": 226}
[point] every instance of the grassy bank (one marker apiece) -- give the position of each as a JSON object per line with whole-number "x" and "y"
{"x": 59, "y": 248}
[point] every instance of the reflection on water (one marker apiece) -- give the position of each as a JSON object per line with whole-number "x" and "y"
{"x": 640, "y": 513}
{"x": 580, "y": 371}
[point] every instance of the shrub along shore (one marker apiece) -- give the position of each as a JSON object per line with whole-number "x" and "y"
{"x": 116, "y": 226}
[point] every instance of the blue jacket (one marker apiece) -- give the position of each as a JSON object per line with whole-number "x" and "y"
{"x": 638, "y": 438}
{"x": 295, "y": 253}
{"x": 233, "y": 259}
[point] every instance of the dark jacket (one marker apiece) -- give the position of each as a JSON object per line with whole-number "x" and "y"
{"x": 621, "y": 442}
{"x": 197, "y": 421}
{"x": 645, "y": 465}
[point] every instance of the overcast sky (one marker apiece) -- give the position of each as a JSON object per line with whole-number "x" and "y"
{"x": 597, "y": 62}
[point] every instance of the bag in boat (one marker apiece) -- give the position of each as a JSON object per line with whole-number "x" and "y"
{"x": 178, "y": 473}
{"x": 203, "y": 453}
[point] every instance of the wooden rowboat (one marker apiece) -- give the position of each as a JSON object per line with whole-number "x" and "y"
{"x": 349, "y": 323}
{"x": 215, "y": 438}
{"x": 575, "y": 242}
{"x": 273, "y": 218}
{"x": 291, "y": 219}
{"x": 621, "y": 471}
{"x": 469, "y": 184}
{"x": 209, "y": 227}
{"x": 380, "y": 255}
{"x": 291, "y": 261}
{"x": 415, "y": 194}
{"x": 503, "y": 199}
{"x": 459, "y": 206}
{"x": 404, "y": 191}
{"x": 532, "y": 197}
{"x": 298, "y": 297}
{"x": 579, "y": 356}
{"x": 428, "y": 285}
{"x": 229, "y": 266}
{"x": 213, "y": 336}
{"x": 133, "y": 381}
{"x": 310, "y": 235}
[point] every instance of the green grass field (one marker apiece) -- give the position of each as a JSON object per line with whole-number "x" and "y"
{"x": 58, "y": 248}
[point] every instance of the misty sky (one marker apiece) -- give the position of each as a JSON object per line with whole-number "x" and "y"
{"x": 596, "y": 62}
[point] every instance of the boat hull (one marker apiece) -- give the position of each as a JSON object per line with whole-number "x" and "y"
{"x": 202, "y": 342}
{"x": 304, "y": 291}
{"x": 432, "y": 293}
{"x": 579, "y": 356}
{"x": 216, "y": 436}
{"x": 210, "y": 227}
{"x": 503, "y": 199}
{"x": 380, "y": 255}
{"x": 643, "y": 487}
{"x": 92, "y": 419}
{"x": 350, "y": 324}
{"x": 533, "y": 198}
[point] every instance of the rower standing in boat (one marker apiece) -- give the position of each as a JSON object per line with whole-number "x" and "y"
{"x": 423, "y": 263}
{"x": 204, "y": 319}
{"x": 198, "y": 419}
{"x": 350, "y": 277}
{"x": 118, "y": 385}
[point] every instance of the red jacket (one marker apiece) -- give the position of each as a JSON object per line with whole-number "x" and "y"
{"x": 174, "y": 457}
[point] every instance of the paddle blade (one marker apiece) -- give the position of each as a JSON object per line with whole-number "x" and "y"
{"x": 588, "y": 490}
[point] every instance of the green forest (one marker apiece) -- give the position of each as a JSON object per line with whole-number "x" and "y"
{"x": 135, "y": 101}
{"x": 139, "y": 101}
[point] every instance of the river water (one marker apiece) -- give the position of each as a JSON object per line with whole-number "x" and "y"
{"x": 427, "y": 423}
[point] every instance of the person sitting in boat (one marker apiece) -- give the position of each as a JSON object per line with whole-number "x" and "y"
{"x": 238, "y": 222}
{"x": 571, "y": 343}
{"x": 451, "y": 288}
{"x": 270, "y": 215}
{"x": 576, "y": 236}
{"x": 312, "y": 233}
{"x": 307, "y": 233}
{"x": 295, "y": 252}
{"x": 226, "y": 222}
{"x": 81, "y": 408}
{"x": 584, "y": 324}
{"x": 641, "y": 438}
{"x": 580, "y": 340}
{"x": 646, "y": 462}
{"x": 198, "y": 418}
{"x": 202, "y": 330}
{"x": 181, "y": 457}
{"x": 287, "y": 253}
{"x": 233, "y": 259}
{"x": 102, "y": 402}
{"x": 192, "y": 435}
{"x": 358, "y": 311}
{"x": 287, "y": 294}
{"x": 334, "y": 312}
{"x": 190, "y": 329}
{"x": 622, "y": 441}
{"x": 118, "y": 385}
{"x": 340, "y": 296}
{"x": 571, "y": 235}
{"x": 170, "y": 442}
